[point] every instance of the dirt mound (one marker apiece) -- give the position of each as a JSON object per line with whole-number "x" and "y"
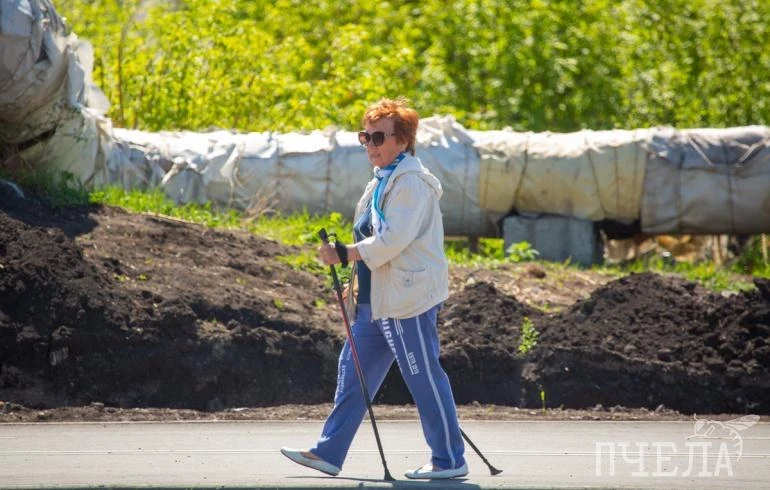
{"x": 100, "y": 305}
{"x": 481, "y": 333}
{"x": 144, "y": 311}
{"x": 648, "y": 339}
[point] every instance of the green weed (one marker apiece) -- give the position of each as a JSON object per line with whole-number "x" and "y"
{"x": 529, "y": 337}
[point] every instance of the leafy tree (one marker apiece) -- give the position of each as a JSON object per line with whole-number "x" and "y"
{"x": 533, "y": 65}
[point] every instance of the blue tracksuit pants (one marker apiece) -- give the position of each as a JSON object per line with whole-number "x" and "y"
{"x": 413, "y": 343}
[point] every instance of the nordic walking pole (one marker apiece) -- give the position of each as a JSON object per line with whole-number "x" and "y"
{"x": 492, "y": 470}
{"x": 325, "y": 239}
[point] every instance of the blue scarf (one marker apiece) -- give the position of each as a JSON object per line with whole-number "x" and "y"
{"x": 382, "y": 175}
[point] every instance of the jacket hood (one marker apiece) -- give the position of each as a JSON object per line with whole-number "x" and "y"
{"x": 413, "y": 165}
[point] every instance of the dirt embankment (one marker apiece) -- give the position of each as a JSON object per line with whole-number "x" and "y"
{"x": 101, "y": 306}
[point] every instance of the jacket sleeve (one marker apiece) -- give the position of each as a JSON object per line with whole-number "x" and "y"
{"x": 405, "y": 211}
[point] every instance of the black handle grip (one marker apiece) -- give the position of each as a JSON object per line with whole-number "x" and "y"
{"x": 342, "y": 251}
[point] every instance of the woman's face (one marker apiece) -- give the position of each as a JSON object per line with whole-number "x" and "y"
{"x": 383, "y": 155}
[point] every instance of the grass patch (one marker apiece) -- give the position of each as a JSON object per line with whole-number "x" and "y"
{"x": 296, "y": 229}
{"x": 300, "y": 229}
{"x": 155, "y": 201}
{"x": 706, "y": 273}
{"x": 60, "y": 189}
{"x": 490, "y": 253}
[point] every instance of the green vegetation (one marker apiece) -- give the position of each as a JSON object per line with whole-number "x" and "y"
{"x": 155, "y": 201}
{"x": 704, "y": 272}
{"x": 62, "y": 189}
{"x": 534, "y": 65}
{"x": 297, "y": 229}
{"x": 300, "y": 229}
{"x": 521, "y": 252}
{"x": 490, "y": 252}
{"x": 529, "y": 337}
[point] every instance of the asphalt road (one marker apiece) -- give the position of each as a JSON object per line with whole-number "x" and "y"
{"x": 532, "y": 454}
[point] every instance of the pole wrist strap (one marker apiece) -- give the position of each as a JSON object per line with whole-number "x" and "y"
{"x": 342, "y": 252}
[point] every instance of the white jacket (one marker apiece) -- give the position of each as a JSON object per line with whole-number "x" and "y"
{"x": 409, "y": 268}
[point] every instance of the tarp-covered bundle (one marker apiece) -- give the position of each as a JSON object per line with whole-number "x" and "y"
{"x": 594, "y": 175}
{"x": 669, "y": 181}
{"x": 318, "y": 171}
{"x": 50, "y": 112}
{"x": 689, "y": 181}
{"x": 674, "y": 181}
{"x": 708, "y": 181}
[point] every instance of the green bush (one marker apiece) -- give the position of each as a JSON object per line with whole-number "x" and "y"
{"x": 535, "y": 65}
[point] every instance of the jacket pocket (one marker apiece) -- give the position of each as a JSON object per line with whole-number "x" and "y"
{"x": 409, "y": 289}
{"x": 408, "y": 279}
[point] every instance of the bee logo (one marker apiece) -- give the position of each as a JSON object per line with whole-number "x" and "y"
{"x": 729, "y": 431}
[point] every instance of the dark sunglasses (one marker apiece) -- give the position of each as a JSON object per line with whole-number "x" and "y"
{"x": 376, "y": 138}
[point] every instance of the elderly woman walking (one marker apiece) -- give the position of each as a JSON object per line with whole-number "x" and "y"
{"x": 402, "y": 276}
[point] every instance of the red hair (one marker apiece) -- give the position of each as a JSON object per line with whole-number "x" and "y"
{"x": 405, "y": 119}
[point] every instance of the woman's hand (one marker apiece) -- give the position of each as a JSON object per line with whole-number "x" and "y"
{"x": 328, "y": 254}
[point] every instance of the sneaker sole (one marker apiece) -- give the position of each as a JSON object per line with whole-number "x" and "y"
{"x": 306, "y": 462}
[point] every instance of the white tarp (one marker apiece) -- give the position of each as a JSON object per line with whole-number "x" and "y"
{"x": 697, "y": 181}
{"x": 50, "y": 112}
{"x": 708, "y": 181}
{"x": 592, "y": 175}
{"x": 319, "y": 171}
{"x": 693, "y": 181}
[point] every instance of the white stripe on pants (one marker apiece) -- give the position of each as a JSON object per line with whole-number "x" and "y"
{"x": 413, "y": 342}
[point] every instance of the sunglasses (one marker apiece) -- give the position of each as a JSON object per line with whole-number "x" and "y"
{"x": 376, "y": 138}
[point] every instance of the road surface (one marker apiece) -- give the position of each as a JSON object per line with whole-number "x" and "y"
{"x": 532, "y": 454}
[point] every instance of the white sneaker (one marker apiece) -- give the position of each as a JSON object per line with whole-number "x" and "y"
{"x": 317, "y": 464}
{"x": 430, "y": 472}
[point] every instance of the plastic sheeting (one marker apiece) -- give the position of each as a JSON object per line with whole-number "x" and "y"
{"x": 486, "y": 174}
{"x": 694, "y": 181}
{"x": 708, "y": 181}
{"x": 593, "y": 175}
{"x": 319, "y": 172}
{"x": 50, "y": 112}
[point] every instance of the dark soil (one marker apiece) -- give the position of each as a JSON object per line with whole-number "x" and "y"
{"x": 106, "y": 310}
